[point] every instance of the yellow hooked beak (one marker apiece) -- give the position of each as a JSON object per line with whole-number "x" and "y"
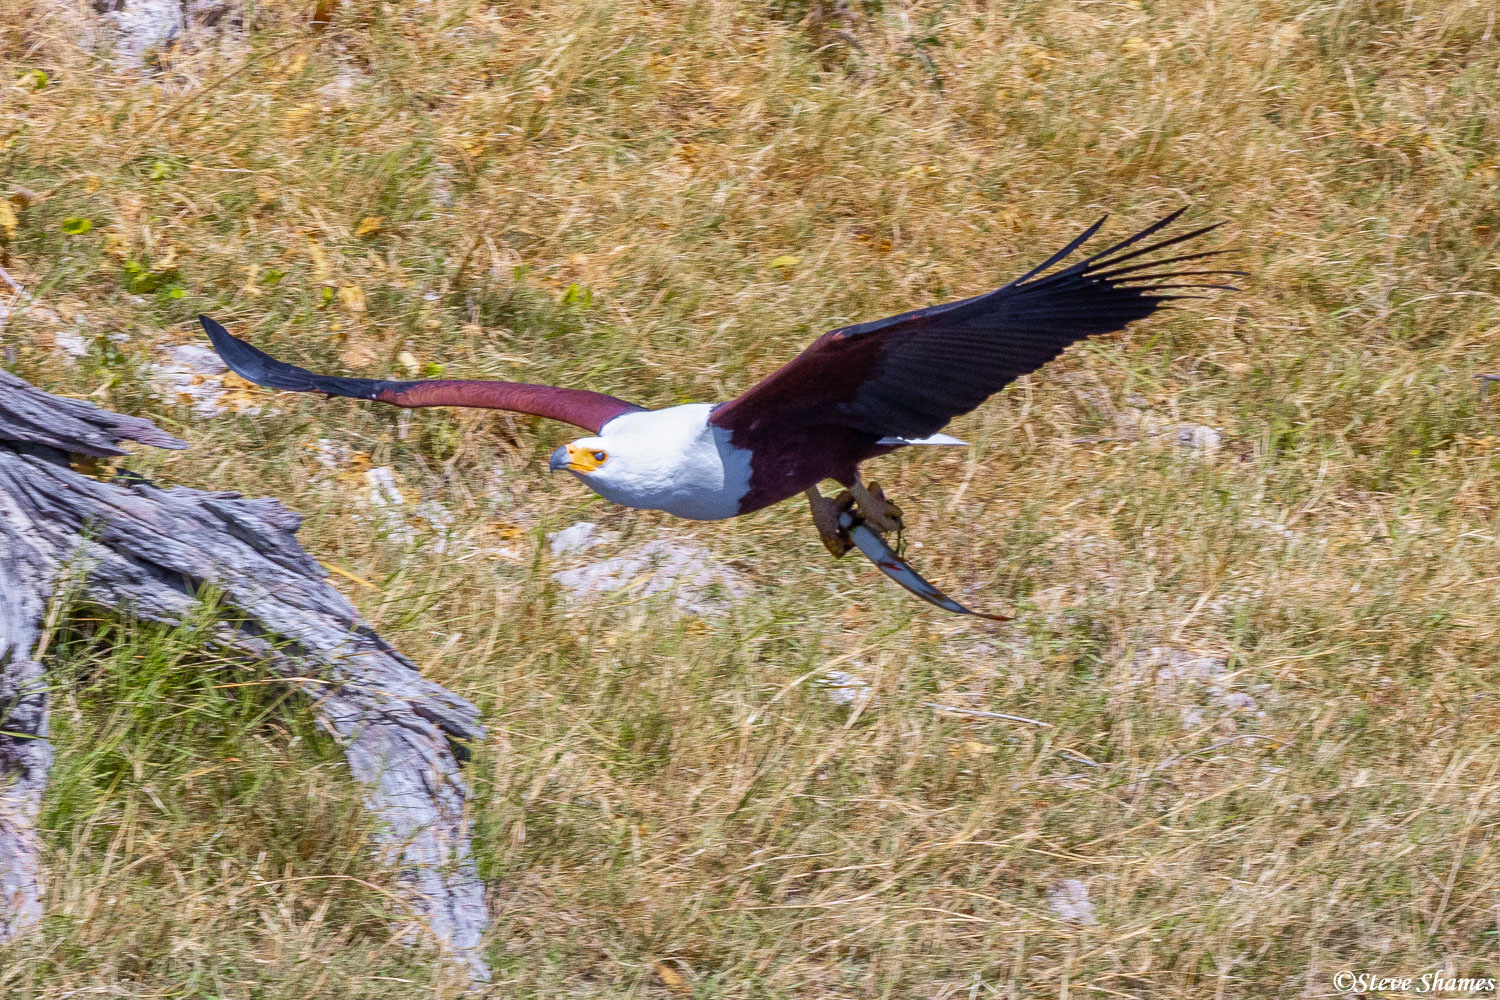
{"x": 575, "y": 458}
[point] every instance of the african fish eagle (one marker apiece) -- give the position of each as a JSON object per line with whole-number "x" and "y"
{"x": 855, "y": 393}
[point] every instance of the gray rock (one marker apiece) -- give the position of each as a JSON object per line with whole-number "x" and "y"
{"x": 1069, "y": 899}
{"x": 191, "y": 375}
{"x": 141, "y": 27}
{"x": 1199, "y": 437}
{"x": 574, "y": 538}
{"x": 699, "y": 582}
{"x": 844, "y": 688}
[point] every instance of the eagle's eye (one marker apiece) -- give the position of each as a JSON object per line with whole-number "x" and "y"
{"x": 576, "y": 458}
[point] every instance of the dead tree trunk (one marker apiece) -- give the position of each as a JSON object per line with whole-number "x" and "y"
{"x": 148, "y": 551}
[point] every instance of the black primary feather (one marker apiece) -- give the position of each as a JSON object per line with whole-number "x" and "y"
{"x": 255, "y": 365}
{"x": 935, "y": 364}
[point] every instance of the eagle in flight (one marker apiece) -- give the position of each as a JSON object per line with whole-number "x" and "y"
{"x": 855, "y": 393}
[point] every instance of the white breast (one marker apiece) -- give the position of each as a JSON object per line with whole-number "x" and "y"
{"x": 672, "y": 460}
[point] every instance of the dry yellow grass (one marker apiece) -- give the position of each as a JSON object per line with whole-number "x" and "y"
{"x": 1269, "y": 671}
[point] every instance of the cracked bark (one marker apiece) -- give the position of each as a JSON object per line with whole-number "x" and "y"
{"x": 148, "y": 551}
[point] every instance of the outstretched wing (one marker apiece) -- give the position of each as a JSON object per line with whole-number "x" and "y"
{"x": 590, "y": 410}
{"x": 908, "y": 375}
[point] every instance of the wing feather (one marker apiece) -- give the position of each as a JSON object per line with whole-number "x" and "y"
{"x": 908, "y": 375}
{"x": 579, "y": 407}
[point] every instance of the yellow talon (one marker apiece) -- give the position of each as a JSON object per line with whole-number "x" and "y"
{"x": 878, "y": 512}
{"x": 825, "y": 512}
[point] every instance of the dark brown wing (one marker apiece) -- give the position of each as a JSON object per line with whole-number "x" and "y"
{"x": 908, "y": 375}
{"x": 579, "y": 407}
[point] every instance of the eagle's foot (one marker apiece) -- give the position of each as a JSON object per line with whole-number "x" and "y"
{"x": 825, "y": 512}
{"x": 878, "y": 512}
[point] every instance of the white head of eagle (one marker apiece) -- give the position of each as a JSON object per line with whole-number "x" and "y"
{"x": 671, "y": 460}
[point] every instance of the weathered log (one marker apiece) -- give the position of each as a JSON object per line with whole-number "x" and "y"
{"x": 149, "y": 552}
{"x": 30, "y": 416}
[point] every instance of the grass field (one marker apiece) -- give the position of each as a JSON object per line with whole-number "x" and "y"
{"x": 1266, "y": 658}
